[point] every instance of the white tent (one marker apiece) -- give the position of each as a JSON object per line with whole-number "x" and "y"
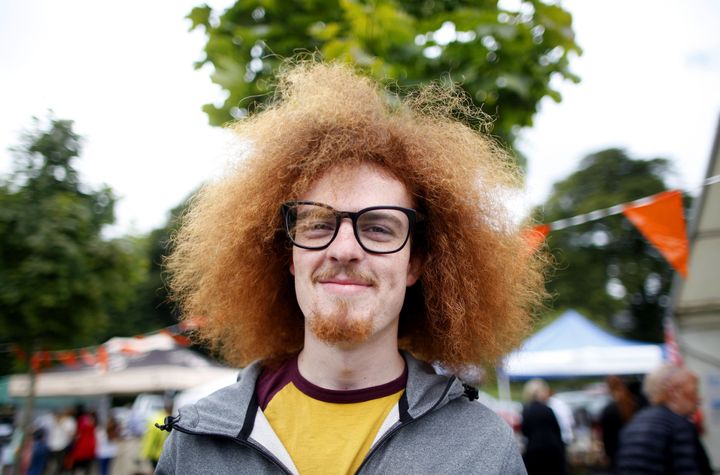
{"x": 135, "y": 365}
{"x": 572, "y": 346}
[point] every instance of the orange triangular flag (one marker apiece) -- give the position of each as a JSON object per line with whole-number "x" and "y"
{"x": 68, "y": 358}
{"x": 182, "y": 340}
{"x": 36, "y": 362}
{"x": 535, "y": 236}
{"x": 662, "y": 223}
{"x": 87, "y": 357}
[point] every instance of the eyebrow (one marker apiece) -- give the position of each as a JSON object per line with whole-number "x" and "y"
{"x": 309, "y": 212}
{"x": 389, "y": 217}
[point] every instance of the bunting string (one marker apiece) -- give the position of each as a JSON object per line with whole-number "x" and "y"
{"x": 658, "y": 217}
{"x": 711, "y": 180}
{"x": 96, "y": 355}
{"x": 613, "y": 210}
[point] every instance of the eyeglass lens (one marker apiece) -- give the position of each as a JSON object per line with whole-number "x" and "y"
{"x": 378, "y": 230}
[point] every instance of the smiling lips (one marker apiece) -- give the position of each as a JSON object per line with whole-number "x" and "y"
{"x": 344, "y": 286}
{"x": 346, "y": 279}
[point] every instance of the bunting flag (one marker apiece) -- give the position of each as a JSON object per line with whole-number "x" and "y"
{"x": 658, "y": 217}
{"x": 102, "y": 358}
{"x": 87, "y": 357}
{"x": 36, "y": 362}
{"x": 19, "y": 353}
{"x": 535, "y": 236}
{"x": 98, "y": 355}
{"x": 662, "y": 223}
{"x": 68, "y": 358}
{"x": 181, "y": 340}
{"x": 39, "y": 360}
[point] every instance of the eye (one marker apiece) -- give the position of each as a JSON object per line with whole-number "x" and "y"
{"x": 320, "y": 225}
{"x": 315, "y": 226}
{"x": 382, "y": 225}
{"x": 377, "y": 229}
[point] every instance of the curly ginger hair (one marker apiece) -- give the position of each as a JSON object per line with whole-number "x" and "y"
{"x": 480, "y": 283}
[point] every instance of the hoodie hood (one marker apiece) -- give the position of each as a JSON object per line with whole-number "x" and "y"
{"x": 231, "y": 410}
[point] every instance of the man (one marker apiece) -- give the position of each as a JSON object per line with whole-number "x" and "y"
{"x": 60, "y": 432}
{"x": 661, "y": 438}
{"x": 544, "y": 446}
{"x": 153, "y": 440}
{"x": 357, "y": 225}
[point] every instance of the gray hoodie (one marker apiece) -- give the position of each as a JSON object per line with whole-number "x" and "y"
{"x": 432, "y": 429}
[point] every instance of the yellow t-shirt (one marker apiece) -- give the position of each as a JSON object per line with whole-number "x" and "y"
{"x": 324, "y": 431}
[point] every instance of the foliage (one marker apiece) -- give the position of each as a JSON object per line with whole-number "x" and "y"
{"x": 58, "y": 277}
{"x": 150, "y": 307}
{"x": 606, "y": 269}
{"x": 504, "y": 59}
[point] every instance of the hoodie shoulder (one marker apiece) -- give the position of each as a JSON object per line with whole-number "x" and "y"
{"x": 222, "y": 412}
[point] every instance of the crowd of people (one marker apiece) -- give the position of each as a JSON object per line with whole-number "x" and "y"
{"x": 648, "y": 427}
{"x": 73, "y": 442}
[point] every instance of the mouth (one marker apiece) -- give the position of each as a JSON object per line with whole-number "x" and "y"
{"x": 343, "y": 286}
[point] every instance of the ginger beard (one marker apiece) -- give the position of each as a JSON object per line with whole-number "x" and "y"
{"x": 340, "y": 320}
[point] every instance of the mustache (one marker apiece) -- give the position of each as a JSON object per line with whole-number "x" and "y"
{"x": 347, "y": 272}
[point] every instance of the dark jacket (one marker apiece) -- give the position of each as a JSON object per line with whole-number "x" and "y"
{"x": 659, "y": 441}
{"x": 611, "y": 423}
{"x": 544, "y": 447}
{"x": 432, "y": 429}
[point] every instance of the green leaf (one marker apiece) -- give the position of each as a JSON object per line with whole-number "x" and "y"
{"x": 200, "y": 16}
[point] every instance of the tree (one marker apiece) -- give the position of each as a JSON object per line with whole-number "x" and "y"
{"x": 150, "y": 308}
{"x": 58, "y": 276}
{"x": 504, "y": 59}
{"x": 606, "y": 268}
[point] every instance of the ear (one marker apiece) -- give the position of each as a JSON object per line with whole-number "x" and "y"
{"x": 292, "y": 267}
{"x": 415, "y": 268}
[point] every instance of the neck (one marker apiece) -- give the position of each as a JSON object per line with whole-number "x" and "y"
{"x": 371, "y": 363}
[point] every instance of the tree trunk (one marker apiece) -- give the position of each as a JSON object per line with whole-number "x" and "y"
{"x": 26, "y": 416}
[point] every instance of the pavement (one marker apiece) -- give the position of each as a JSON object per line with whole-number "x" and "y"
{"x": 129, "y": 461}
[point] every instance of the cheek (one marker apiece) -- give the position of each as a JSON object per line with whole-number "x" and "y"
{"x": 303, "y": 265}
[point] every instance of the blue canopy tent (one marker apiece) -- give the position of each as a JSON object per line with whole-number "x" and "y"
{"x": 572, "y": 346}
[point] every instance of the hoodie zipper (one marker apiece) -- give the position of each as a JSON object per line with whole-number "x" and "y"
{"x": 259, "y": 449}
{"x": 401, "y": 425}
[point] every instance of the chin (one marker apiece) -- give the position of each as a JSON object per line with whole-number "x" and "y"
{"x": 340, "y": 327}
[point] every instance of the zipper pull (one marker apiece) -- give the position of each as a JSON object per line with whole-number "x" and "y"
{"x": 470, "y": 392}
{"x": 169, "y": 423}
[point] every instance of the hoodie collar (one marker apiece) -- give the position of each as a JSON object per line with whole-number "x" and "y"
{"x": 231, "y": 410}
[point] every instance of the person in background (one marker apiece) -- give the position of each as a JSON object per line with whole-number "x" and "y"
{"x": 154, "y": 439}
{"x": 107, "y": 445}
{"x": 661, "y": 439}
{"x": 60, "y": 433}
{"x": 10, "y": 451}
{"x": 544, "y": 448}
{"x": 564, "y": 416}
{"x": 82, "y": 454}
{"x": 627, "y": 400}
{"x": 40, "y": 453}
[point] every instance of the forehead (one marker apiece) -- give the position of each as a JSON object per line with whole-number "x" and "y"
{"x": 359, "y": 186}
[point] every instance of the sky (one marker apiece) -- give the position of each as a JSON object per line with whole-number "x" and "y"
{"x": 124, "y": 73}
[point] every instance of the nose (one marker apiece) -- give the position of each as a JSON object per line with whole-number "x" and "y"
{"x": 345, "y": 247}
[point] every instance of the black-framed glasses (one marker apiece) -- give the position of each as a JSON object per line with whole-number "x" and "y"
{"x": 378, "y": 229}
